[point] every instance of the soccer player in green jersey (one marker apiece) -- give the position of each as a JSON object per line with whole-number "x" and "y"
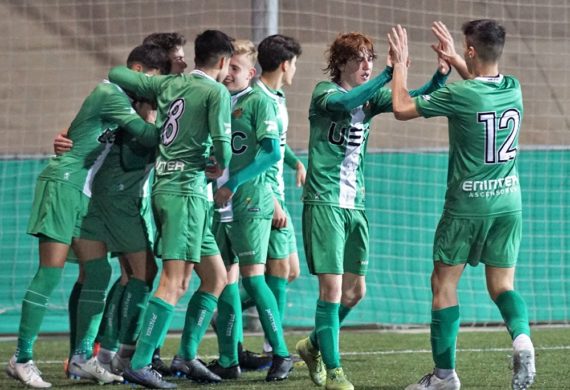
{"x": 194, "y": 113}
{"x": 126, "y": 299}
{"x": 481, "y": 220}
{"x": 60, "y": 203}
{"x": 277, "y": 57}
{"x": 242, "y": 221}
{"x": 335, "y": 227}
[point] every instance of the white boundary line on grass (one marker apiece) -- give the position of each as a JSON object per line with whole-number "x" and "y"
{"x": 391, "y": 352}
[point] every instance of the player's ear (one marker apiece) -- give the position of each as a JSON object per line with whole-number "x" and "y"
{"x": 223, "y": 61}
{"x": 137, "y": 67}
{"x": 252, "y": 72}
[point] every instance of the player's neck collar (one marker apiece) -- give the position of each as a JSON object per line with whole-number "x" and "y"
{"x": 199, "y": 72}
{"x": 490, "y": 79}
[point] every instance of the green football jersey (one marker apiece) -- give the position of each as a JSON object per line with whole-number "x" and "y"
{"x": 126, "y": 169}
{"x": 193, "y": 110}
{"x": 253, "y": 119}
{"x": 337, "y": 148}
{"x": 93, "y": 132}
{"x": 275, "y": 173}
{"x": 484, "y": 117}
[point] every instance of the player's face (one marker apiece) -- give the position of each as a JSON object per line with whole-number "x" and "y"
{"x": 357, "y": 71}
{"x": 240, "y": 73}
{"x": 177, "y": 60}
{"x": 290, "y": 69}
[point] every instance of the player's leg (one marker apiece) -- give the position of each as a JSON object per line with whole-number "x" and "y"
{"x": 132, "y": 305}
{"x": 324, "y": 240}
{"x": 277, "y": 271}
{"x": 454, "y": 246}
{"x": 209, "y": 266}
{"x": 228, "y": 323}
{"x": 56, "y": 210}
{"x": 90, "y": 308}
{"x": 108, "y": 336}
{"x": 201, "y": 306}
{"x": 500, "y": 253}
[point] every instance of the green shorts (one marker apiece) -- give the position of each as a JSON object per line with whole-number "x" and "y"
{"x": 243, "y": 241}
{"x": 494, "y": 241}
{"x": 282, "y": 242}
{"x": 335, "y": 240}
{"x": 117, "y": 221}
{"x": 57, "y": 211}
{"x": 182, "y": 223}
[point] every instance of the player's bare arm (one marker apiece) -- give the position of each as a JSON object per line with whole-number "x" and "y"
{"x": 403, "y": 105}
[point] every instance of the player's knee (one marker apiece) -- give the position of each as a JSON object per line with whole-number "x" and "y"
{"x": 351, "y": 297}
{"x": 294, "y": 273}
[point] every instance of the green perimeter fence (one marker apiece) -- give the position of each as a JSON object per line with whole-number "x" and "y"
{"x": 404, "y": 200}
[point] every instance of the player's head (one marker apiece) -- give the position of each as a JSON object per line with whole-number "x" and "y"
{"x": 173, "y": 43}
{"x": 150, "y": 59}
{"x": 484, "y": 41}
{"x": 242, "y": 66}
{"x": 213, "y": 49}
{"x": 350, "y": 59}
{"x": 279, "y": 51}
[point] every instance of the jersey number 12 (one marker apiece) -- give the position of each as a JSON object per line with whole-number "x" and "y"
{"x": 507, "y": 151}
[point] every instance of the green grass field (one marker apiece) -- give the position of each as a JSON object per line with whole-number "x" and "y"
{"x": 372, "y": 360}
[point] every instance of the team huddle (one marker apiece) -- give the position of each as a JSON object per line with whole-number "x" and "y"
{"x": 212, "y": 146}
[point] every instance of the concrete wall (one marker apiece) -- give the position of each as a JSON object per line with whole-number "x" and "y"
{"x": 53, "y": 53}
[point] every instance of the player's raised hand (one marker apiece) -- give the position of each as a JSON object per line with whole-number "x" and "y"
{"x": 61, "y": 143}
{"x": 398, "y": 40}
{"x": 445, "y": 49}
{"x": 443, "y": 65}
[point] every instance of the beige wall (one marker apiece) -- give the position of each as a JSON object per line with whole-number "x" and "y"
{"x": 53, "y": 53}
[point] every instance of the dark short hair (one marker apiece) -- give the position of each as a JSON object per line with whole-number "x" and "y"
{"x": 150, "y": 57}
{"x": 276, "y": 49}
{"x": 210, "y": 46}
{"x": 167, "y": 41}
{"x": 487, "y": 36}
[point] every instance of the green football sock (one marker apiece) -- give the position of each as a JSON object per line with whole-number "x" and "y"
{"x": 156, "y": 320}
{"x": 91, "y": 304}
{"x": 135, "y": 299}
{"x": 110, "y": 324}
{"x": 72, "y": 309}
{"x": 198, "y": 315}
{"x": 33, "y": 309}
{"x": 444, "y": 330}
{"x": 228, "y": 323}
{"x": 342, "y": 314}
{"x": 514, "y": 311}
{"x": 327, "y": 328}
{"x": 268, "y": 313}
{"x": 279, "y": 288}
{"x": 246, "y": 300}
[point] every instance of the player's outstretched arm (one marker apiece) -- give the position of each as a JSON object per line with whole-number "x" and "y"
{"x": 140, "y": 84}
{"x": 343, "y": 102}
{"x": 402, "y": 104}
{"x": 445, "y": 49}
{"x": 268, "y": 155}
